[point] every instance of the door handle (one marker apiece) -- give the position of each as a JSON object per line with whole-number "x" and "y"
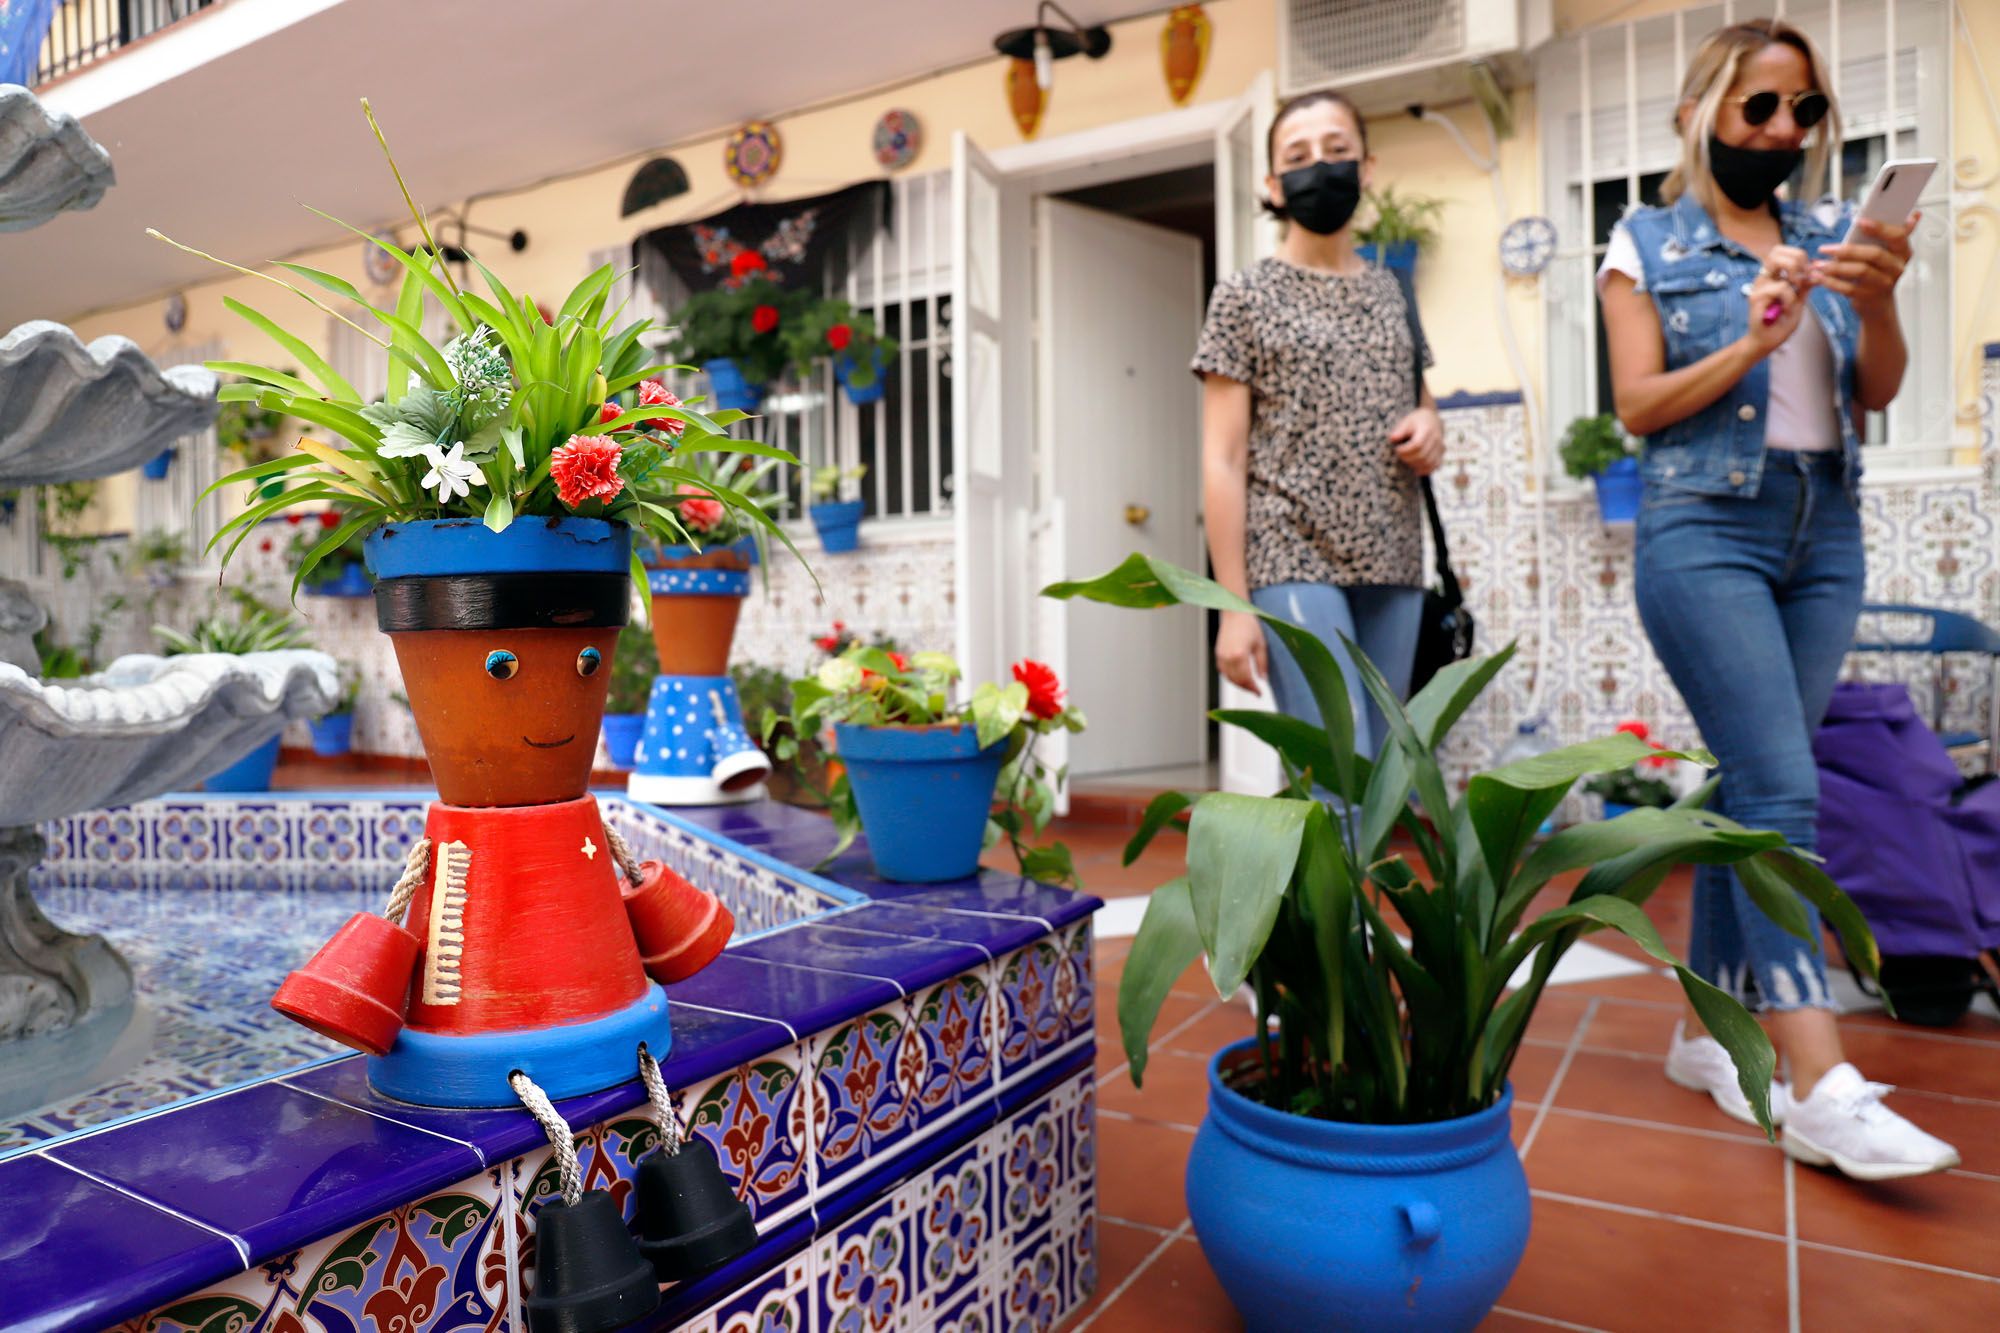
{"x": 1136, "y": 515}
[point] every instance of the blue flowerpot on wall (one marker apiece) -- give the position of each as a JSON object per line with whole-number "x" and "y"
{"x": 1618, "y": 491}
{"x": 838, "y": 523}
{"x": 843, "y": 370}
{"x": 351, "y": 581}
{"x": 1613, "y": 809}
{"x": 333, "y": 734}
{"x": 250, "y": 773}
{"x": 1398, "y": 255}
{"x": 728, "y": 388}
{"x": 924, "y": 794}
{"x": 621, "y": 736}
{"x": 156, "y": 466}
{"x": 1318, "y": 1224}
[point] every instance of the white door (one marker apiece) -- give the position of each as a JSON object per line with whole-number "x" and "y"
{"x": 1119, "y": 309}
{"x": 992, "y": 482}
{"x": 1244, "y": 235}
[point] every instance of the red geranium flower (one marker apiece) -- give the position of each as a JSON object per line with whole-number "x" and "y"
{"x": 826, "y": 643}
{"x": 700, "y": 511}
{"x": 745, "y": 263}
{"x": 652, "y": 393}
{"x": 839, "y": 336}
{"x": 764, "y": 318}
{"x": 1638, "y": 729}
{"x": 1045, "y": 692}
{"x": 586, "y": 468}
{"x": 295, "y": 518}
{"x": 330, "y": 519}
{"x": 902, "y": 662}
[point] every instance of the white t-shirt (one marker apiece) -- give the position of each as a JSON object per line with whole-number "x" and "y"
{"x": 1800, "y": 414}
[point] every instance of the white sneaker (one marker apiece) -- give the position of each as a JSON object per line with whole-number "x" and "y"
{"x": 1702, "y": 1064}
{"x": 1844, "y": 1124}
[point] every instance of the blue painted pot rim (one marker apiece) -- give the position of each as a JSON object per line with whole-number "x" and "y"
{"x": 746, "y": 546}
{"x": 838, "y": 513}
{"x": 910, "y": 744}
{"x": 1334, "y": 1145}
{"x": 437, "y": 546}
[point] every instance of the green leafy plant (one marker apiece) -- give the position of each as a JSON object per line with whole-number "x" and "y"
{"x": 309, "y": 531}
{"x": 831, "y": 482}
{"x": 506, "y": 420}
{"x": 633, "y": 665}
{"x": 748, "y": 324}
{"x": 1592, "y": 444}
{"x": 874, "y": 687}
{"x": 1306, "y": 905}
{"x": 156, "y": 553}
{"x": 349, "y": 699}
{"x": 708, "y": 521}
{"x": 833, "y": 327}
{"x": 248, "y": 429}
{"x": 61, "y": 506}
{"x": 250, "y": 627}
{"x": 840, "y": 638}
{"x": 1644, "y": 783}
{"x": 1396, "y": 218}
{"x": 61, "y": 661}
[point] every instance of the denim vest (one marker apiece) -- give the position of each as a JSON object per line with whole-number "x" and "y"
{"x": 1699, "y": 282}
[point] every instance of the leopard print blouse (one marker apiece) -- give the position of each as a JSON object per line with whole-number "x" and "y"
{"x": 1330, "y": 369}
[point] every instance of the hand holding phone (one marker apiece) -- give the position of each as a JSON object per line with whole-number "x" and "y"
{"x": 1891, "y": 198}
{"x": 1873, "y": 255}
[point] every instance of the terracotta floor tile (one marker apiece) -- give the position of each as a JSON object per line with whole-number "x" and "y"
{"x": 1195, "y": 981}
{"x": 1120, "y": 1249}
{"x": 1618, "y": 1025}
{"x": 1613, "y": 1270}
{"x": 1981, "y": 1024}
{"x": 1650, "y": 987}
{"x": 1523, "y": 1116}
{"x": 1556, "y": 1015}
{"x": 1739, "y": 1184}
{"x": 1175, "y": 1091}
{"x": 1840, "y": 1292}
{"x": 1225, "y": 1023}
{"x": 1502, "y": 1321}
{"x": 1915, "y": 1059}
{"x": 1637, "y": 1088}
{"x": 1176, "y": 1010}
{"x": 1177, "y": 1292}
{"x": 1535, "y": 1064}
{"x": 1141, "y": 1172}
{"x": 1971, "y": 1127}
{"x": 1951, "y": 1221}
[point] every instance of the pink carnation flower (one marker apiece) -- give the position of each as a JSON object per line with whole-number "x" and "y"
{"x": 700, "y": 511}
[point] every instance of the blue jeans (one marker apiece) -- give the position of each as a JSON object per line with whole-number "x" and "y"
{"x": 1382, "y": 620}
{"x": 1751, "y": 605}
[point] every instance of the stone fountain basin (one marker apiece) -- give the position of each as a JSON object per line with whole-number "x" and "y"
{"x": 70, "y": 412}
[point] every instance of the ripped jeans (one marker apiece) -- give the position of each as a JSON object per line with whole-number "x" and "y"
{"x": 1381, "y": 620}
{"x": 1751, "y": 605}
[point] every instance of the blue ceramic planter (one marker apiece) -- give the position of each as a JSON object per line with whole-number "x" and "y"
{"x": 1613, "y": 809}
{"x": 924, "y": 794}
{"x": 728, "y": 388}
{"x": 1398, "y": 255}
{"x": 838, "y": 524}
{"x": 843, "y": 370}
{"x": 1312, "y": 1224}
{"x": 621, "y": 736}
{"x": 438, "y": 546}
{"x": 250, "y": 773}
{"x": 156, "y": 466}
{"x": 333, "y": 734}
{"x": 352, "y": 581}
{"x": 1618, "y": 491}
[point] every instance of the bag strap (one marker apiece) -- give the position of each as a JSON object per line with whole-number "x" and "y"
{"x": 1442, "y": 549}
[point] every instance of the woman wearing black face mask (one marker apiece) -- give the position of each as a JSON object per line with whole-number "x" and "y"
{"x": 1312, "y": 436}
{"x": 1745, "y": 342}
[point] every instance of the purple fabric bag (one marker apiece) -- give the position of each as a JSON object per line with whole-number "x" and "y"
{"x": 1889, "y": 832}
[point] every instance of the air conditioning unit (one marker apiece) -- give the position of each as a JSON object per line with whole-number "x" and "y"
{"x": 1387, "y": 54}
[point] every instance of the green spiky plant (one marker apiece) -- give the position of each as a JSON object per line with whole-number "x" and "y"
{"x": 252, "y": 628}
{"x": 1305, "y": 905}
{"x": 479, "y": 420}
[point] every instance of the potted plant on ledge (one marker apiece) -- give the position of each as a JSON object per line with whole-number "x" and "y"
{"x": 920, "y": 771}
{"x": 737, "y": 336}
{"x": 253, "y": 628}
{"x": 333, "y": 734}
{"x": 1355, "y": 1169}
{"x": 1644, "y": 784}
{"x": 1598, "y": 448}
{"x": 633, "y": 667}
{"x": 861, "y": 356}
{"x": 836, "y": 520}
{"x": 1400, "y": 226}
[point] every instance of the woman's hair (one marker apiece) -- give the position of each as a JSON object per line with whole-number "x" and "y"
{"x": 1300, "y": 103}
{"x": 1710, "y": 76}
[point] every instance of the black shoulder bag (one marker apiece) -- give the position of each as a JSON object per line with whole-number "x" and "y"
{"x": 1445, "y": 634}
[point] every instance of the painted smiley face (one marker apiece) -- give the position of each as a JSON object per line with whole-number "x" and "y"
{"x": 503, "y": 665}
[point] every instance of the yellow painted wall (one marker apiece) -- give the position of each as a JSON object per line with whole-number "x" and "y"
{"x": 829, "y": 146}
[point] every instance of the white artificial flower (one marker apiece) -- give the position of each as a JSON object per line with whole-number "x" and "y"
{"x": 450, "y": 472}
{"x": 839, "y": 675}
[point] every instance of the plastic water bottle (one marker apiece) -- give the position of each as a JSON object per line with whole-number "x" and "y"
{"x": 1532, "y": 736}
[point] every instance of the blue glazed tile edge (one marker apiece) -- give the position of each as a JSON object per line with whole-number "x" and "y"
{"x": 1461, "y": 400}
{"x": 1993, "y": 351}
{"x": 839, "y": 893}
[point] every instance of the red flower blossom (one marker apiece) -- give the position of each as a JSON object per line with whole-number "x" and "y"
{"x": 295, "y": 518}
{"x": 839, "y": 625}
{"x": 745, "y": 263}
{"x": 764, "y": 318}
{"x": 839, "y": 336}
{"x": 700, "y": 511}
{"x": 330, "y": 519}
{"x": 902, "y": 662}
{"x": 609, "y": 412}
{"x": 586, "y": 468}
{"x": 264, "y": 545}
{"x": 1638, "y": 729}
{"x": 548, "y": 315}
{"x": 826, "y": 643}
{"x": 652, "y": 393}
{"x": 1045, "y": 692}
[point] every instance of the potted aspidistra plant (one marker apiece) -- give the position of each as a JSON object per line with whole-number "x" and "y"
{"x": 1398, "y": 226}
{"x": 834, "y": 328}
{"x": 1598, "y": 447}
{"x": 1355, "y": 1169}
{"x": 919, "y": 768}
{"x": 837, "y": 507}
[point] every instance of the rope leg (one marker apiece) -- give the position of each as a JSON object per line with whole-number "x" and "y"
{"x": 415, "y": 866}
{"x": 663, "y": 1106}
{"x": 557, "y": 1129}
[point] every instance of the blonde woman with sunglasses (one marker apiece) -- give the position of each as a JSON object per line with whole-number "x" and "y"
{"x": 1746, "y": 341}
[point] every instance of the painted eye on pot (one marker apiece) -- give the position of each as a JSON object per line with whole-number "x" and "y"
{"x": 501, "y": 664}
{"x": 588, "y": 661}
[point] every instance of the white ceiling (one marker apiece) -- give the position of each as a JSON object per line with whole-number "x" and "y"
{"x": 253, "y": 108}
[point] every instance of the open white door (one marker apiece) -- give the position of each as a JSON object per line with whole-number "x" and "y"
{"x": 992, "y": 482}
{"x": 1244, "y": 234}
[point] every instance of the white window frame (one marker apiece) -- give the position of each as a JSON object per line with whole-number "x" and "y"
{"x": 1621, "y": 79}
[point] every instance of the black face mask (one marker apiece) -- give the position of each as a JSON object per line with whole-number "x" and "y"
{"x": 1750, "y": 176}
{"x": 1322, "y": 196}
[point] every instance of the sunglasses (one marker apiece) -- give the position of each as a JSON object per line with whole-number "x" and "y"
{"x": 1808, "y": 108}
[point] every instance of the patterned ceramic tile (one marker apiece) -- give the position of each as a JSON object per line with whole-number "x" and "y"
{"x": 779, "y": 1302}
{"x": 1030, "y": 1295}
{"x": 952, "y": 1043}
{"x": 1031, "y": 1005}
{"x": 867, "y": 1072}
{"x": 865, "y": 1272}
{"x": 1030, "y": 1169}
{"x": 952, "y": 1232}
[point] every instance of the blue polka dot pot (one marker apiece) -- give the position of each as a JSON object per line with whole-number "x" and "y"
{"x": 695, "y": 748}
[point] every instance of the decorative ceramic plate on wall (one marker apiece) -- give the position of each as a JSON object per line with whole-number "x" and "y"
{"x": 898, "y": 138}
{"x": 753, "y": 154}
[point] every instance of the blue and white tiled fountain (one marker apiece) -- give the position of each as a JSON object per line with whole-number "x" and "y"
{"x": 895, "y": 1077}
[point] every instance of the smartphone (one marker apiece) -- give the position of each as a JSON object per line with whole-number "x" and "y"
{"x": 1893, "y": 196}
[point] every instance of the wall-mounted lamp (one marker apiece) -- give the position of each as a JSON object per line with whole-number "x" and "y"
{"x": 1045, "y": 45}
